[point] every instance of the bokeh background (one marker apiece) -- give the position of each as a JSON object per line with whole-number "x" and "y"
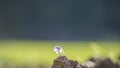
{"x": 29, "y": 30}
{"x": 60, "y": 19}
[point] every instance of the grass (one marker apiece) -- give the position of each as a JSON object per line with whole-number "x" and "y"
{"x": 36, "y": 52}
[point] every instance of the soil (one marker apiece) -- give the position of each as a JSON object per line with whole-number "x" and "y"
{"x": 64, "y": 62}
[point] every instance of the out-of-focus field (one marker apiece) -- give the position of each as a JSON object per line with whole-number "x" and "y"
{"x": 37, "y": 52}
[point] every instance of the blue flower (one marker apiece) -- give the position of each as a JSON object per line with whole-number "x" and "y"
{"x": 58, "y": 49}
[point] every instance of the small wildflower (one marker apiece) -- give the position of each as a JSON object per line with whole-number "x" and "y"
{"x": 58, "y": 50}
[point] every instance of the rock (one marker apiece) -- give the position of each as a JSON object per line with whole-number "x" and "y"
{"x": 63, "y": 62}
{"x": 106, "y": 63}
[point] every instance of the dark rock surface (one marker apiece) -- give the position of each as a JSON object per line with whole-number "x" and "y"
{"x": 104, "y": 63}
{"x": 64, "y": 62}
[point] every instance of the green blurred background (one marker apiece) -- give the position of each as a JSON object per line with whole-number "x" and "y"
{"x": 29, "y": 30}
{"x": 35, "y": 53}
